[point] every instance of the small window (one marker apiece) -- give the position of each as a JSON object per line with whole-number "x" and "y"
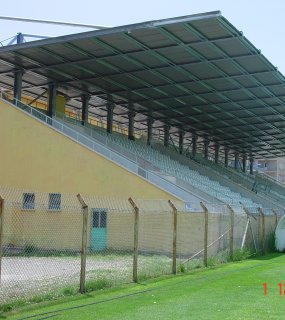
{"x": 54, "y": 201}
{"x": 99, "y": 218}
{"x": 95, "y": 219}
{"x": 103, "y": 220}
{"x": 28, "y": 201}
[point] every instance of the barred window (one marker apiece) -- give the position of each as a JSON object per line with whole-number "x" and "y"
{"x": 54, "y": 201}
{"x": 29, "y": 201}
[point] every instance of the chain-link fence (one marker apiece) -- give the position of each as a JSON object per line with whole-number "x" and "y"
{"x": 51, "y": 243}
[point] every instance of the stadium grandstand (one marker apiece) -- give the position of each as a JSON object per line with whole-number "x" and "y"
{"x": 185, "y": 105}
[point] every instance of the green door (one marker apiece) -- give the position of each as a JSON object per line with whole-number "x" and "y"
{"x": 98, "y": 237}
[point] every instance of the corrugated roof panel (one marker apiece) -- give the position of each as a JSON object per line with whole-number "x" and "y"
{"x": 211, "y": 28}
{"x": 178, "y": 55}
{"x": 252, "y": 64}
{"x": 184, "y": 35}
{"x": 233, "y": 47}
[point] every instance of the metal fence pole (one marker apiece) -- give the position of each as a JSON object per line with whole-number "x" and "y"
{"x": 174, "y": 242}
{"x": 1, "y": 232}
{"x": 231, "y": 233}
{"x": 136, "y": 240}
{"x": 84, "y": 244}
{"x": 250, "y": 226}
{"x": 262, "y": 236}
{"x": 206, "y": 227}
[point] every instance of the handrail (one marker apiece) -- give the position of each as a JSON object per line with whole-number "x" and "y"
{"x": 123, "y": 150}
{"x": 107, "y": 152}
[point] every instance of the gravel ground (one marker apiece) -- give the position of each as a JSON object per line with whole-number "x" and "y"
{"x": 26, "y": 276}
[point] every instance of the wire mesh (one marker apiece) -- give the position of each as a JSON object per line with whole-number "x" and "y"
{"x": 41, "y": 243}
{"x": 43, "y": 232}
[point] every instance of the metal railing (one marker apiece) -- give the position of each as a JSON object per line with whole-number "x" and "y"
{"x": 94, "y": 132}
{"x": 114, "y": 153}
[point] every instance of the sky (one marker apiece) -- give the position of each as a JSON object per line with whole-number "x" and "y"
{"x": 261, "y": 21}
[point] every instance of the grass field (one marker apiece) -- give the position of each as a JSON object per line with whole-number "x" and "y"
{"x": 231, "y": 291}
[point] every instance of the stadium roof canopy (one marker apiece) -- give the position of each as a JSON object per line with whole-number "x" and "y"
{"x": 197, "y": 73}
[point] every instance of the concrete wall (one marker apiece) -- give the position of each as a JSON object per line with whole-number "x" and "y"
{"x": 36, "y": 157}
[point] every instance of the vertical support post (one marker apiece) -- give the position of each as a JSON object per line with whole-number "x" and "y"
{"x": 19, "y": 38}
{"x": 226, "y": 150}
{"x": 231, "y": 232}
{"x": 17, "y": 92}
{"x": 206, "y": 227}
{"x": 181, "y": 140}
{"x": 206, "y": 145}
{"x": 136, "y": 240}
{"x": 276, "y": 217}
{"x": 245, "y": 232}
{"x": 251, "y": 165}
{"x": 150, "y": 122}
{"x": 244, "y": 163}
{"x": 194, "y": 145}
{"x": 85, "y": 98}
{"x": 262, "y": 236}
{"x": 249, "y": 222}
{"x": 174, "y": 241}
{"x": 51, "y": 99}
{"x": 110, "y": 114}
{"x": 1, "y": 232}
{"x": 236, "y": 160}
{"x": 217, "y": 151}
{"x": 166, "y": 135}
{"x": 84, "y": 244}
{"x": 131, "y": 134}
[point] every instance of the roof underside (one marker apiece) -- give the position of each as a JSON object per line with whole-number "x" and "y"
{"x": 197, "y": 73}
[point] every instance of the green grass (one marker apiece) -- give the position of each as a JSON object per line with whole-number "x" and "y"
{"x": 229, "y": 291}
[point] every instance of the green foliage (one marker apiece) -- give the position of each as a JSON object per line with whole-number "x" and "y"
{"x": 98, "y": 284}
{"x": 271, "y": 243}
{"x": 29, "y": 250}
{"x": 241, "y": 254}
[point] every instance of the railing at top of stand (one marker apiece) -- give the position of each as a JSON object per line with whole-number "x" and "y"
{"x": 105, "y": 150}
{"x": 82, "y": 139}
{"x": 148, "y": 165}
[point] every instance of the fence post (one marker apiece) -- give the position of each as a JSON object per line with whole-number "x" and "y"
{"x": 249, "y": 223}
{"x": 84, "y": 244}
{"x": 262, "y": 218}
{"x": 136, "y": 240}
{"x": 1, "y": 232}
{"x": 206, "y": 227}
{"x": 174, "y": 242}
{"x": 245, "y": 232}
{"x": 231, "y": 233}
{"x": 276, "y": 217}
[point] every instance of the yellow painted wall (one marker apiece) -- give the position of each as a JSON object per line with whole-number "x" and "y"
{"x": 36, "y": 157}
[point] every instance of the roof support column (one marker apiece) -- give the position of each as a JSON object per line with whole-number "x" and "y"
{"x": 206, "y": 146}
{"x": 131, "y": 134}
{"x": 20, "y": 38}
{"x": 244, "y": 163}
{"x": 236, "y": 160}
{"x": 194, "y": 145}
{"x": 17, "y": 94}
{"x": 217, "y": 151}
{"x": 251, "y": 160}
{"x": 51, "y": 99}
{"x": 226, "y": 156}
{"x": 181, "y": 140}
{"x": 110, "y": 114}
{"x": 85, "y": 98}
{"x": 166, "y": 135}
{"x": 150, "y": 122}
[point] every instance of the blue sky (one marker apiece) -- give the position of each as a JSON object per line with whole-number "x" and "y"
{"x": 261, "y": 21}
